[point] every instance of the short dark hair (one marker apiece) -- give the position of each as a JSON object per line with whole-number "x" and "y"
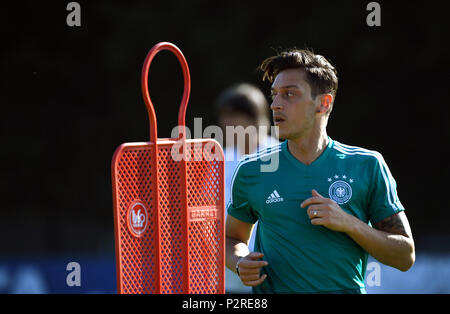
{"x": 244, "y": 98}
{"x": 320, "y": 74}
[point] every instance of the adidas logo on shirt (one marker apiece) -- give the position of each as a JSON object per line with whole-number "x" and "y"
{"x": 274, "y": 198}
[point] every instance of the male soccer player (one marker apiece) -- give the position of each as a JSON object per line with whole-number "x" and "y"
{"x": 314, "y": 211}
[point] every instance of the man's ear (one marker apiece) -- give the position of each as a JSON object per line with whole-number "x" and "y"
{"x": 325, "y": 103}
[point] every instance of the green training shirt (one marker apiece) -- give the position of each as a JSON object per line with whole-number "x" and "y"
{"x": 304, "y": 258}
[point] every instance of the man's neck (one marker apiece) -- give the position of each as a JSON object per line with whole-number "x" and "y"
{"x": 308, "y": 149}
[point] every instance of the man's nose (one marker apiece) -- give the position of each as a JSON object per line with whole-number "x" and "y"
{"x": 275, "y": 105}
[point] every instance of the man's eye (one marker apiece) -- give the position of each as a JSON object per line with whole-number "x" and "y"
{"x": 289, "y": 94}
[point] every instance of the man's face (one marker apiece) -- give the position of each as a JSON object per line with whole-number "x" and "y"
{"x": 293, "y": 108}
{"x": 236, "y": 119}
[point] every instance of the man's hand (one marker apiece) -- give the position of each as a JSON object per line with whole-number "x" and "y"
{"x": 325, "y": 212}
{"x": 250, "y": 268}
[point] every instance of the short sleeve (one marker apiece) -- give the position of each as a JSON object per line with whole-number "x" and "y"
{"x": 383, "y": 200}
{"x": 239, "y": 205}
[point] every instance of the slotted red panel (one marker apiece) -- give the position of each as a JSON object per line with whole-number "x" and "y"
{"x": 185, "y": 232}
{"x": 172, "y": 219}
{"x": 206, "y": 237}
{"x": 137, "y": 255}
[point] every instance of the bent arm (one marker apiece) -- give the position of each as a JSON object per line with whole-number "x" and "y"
{"x": 238, "y": 233}
{"x": 390, "y": 242}
{"x": 237, "y": 236}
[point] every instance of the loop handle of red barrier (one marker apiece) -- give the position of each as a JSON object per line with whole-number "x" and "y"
{"x": 145, "y": 92}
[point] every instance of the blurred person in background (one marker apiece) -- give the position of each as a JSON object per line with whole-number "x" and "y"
{"x": 242, "y": 105}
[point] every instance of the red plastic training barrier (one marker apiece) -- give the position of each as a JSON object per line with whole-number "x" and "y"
{"x": 169, "y": 206}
